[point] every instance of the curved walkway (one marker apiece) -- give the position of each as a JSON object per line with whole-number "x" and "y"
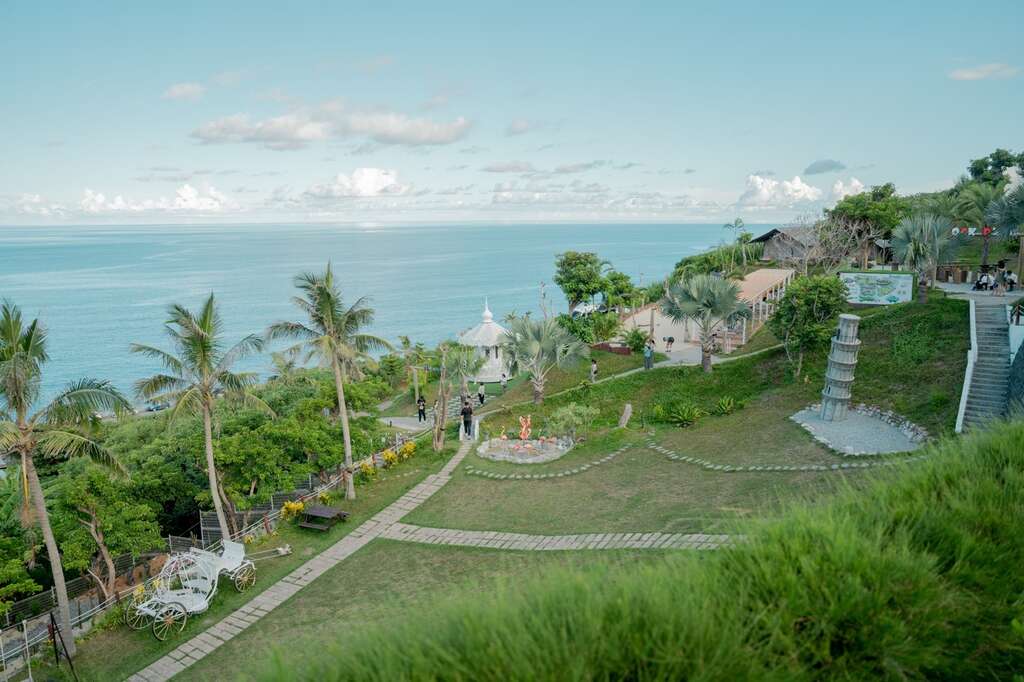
{"x": 522, "y": 541}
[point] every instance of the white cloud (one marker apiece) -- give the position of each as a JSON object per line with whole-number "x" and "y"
{"x": 298, "y": 129}
{"x": 187, "y": 199}
{"x": 762, "y": 192}
{"x": 291, "y": 131}
{"x": 984, "y": 72}
{"x": 520, "y": 126}
{"x": 509, "y": 167}
{"x": 362, "y": 183}
{"x": 393, "y": 128}
{"x": 34, "y": 204}
{"x": 186, "y": 91}
{"x": 841, "y": 189}
{"x": 579, "y": 167}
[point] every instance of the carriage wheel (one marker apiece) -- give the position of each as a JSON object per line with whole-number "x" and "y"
{"x": 170, "y": 620}
{"x": 133, "y": 617}
{"x": 245, "y": 577}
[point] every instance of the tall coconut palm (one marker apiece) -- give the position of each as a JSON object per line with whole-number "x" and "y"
{"x": 415, "y": 356}
{"x": 332, "y": 334}
{"x": 971, "y": 209}
{"x": 195, "y": 373}
{"x": 539, "y": 346}
{"x": 921, "y": 243}
{"x": 1006, "y": 216}
{"x": 58, "y": 429}
{"x": 710, "y": 302}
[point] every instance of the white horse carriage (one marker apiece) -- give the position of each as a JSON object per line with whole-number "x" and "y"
{"x": 185, "y": 586}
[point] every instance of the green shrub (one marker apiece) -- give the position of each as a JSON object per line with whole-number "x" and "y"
{"x": 684, "y": 414}
{"x": 572, "y": 420}
{"x": 635, "y": 340}
{"x": 727, "y": 405}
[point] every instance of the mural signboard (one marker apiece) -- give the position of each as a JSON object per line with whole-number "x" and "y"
{"x": 878, "y": 288}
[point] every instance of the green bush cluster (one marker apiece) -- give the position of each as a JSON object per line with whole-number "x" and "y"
{"x": 593, "y": 328}
{"x": 914, "y": 576}
{"x": 683, "y": 413}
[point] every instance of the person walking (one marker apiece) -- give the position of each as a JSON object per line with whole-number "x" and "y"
{"x": 593, "y": 371}
{"x": 421, "y": 409}
{"x": 481, "y": 392}
{"x": 504, "y": 382}
{"x": 467, "y": 418}
{"x": 648, "y": 355}
{"x": 668, "y": 343}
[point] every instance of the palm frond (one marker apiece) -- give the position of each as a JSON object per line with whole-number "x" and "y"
{"x": 171, "y": 363}
{"x": 59, "y": 443}
{"x": 81, "y": 400}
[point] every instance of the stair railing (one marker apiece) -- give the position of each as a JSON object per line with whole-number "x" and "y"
{"x": 972, "y": 357}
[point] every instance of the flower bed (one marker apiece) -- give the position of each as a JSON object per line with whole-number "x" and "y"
{"x": 532, "y": 451}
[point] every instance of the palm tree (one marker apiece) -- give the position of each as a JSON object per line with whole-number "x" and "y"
{"x": 195, "y": 373}
{"x": 971, "y": 208}
{"x": 711, "y": 302}
{"x": 284, "y": 366}
{"x": 415, "y": 357}
{"x": 464, "y": 362}
{"x": 538, "y": 346}
{"x": 1006, "y": 214}
{"x": 59, "y": 429}
{"x": 921, "y": 243}
{"x": 332, "y": 334}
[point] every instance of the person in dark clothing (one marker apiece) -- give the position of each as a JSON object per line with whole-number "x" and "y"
{"x": 467, "y": 418}
{"x": 421, "y": 409}
{"x": 481, "y": 393}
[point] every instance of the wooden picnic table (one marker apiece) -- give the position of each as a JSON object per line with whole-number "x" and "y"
{"x": 319, "y": 517}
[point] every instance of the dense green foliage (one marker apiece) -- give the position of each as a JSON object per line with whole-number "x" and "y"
{"x": 592, "y": 328}
{"x": 710, "y": 303}
{"x": 579, "y": 276}
{"x": 991, "y": 169}
{"x": 805, "y": 317}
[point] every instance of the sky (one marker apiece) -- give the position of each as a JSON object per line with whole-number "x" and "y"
{"x": 127, "y": 112}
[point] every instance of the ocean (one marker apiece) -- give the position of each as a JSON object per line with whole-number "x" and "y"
{"x": 98, "y": 289}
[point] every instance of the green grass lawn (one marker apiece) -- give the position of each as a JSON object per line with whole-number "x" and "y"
{"x": 912, "y": 361}
{"x": 383, "y": 583}
{"x": 114, "y": 652}
{"x": 762, "y": 338}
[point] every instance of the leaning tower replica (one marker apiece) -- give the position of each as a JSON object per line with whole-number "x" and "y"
{"x": 842, "y": 360}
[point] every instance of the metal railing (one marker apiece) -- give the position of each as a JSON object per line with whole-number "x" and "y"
{"x": 972, "y": 357}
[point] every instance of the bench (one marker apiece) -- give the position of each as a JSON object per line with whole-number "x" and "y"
{"x": 319, "y": 517}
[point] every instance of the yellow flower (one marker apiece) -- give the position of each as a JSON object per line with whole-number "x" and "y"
{"x": 389, "y": 458}
{"x": 367, "y": 469}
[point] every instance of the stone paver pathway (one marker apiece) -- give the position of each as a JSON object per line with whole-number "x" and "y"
{"x": 522, "y": 541}
{"x": 207, "y": 641}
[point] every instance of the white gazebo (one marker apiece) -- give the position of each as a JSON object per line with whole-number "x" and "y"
{"x": 487, "y": 337}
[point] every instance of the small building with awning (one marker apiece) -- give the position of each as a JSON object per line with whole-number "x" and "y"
{"x": 761, "y": 289}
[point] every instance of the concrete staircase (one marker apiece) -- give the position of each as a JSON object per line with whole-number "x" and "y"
{"x": 990, "y": 384}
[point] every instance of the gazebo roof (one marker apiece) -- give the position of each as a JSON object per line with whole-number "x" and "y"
{"x": 487, "y": 333}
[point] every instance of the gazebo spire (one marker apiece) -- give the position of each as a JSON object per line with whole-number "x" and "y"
{"x": 488, "y": 316}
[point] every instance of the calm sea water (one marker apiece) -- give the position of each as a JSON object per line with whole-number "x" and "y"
{"x": 100, "y": 288}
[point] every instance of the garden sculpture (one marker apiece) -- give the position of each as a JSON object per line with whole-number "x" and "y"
{"x": 524, "y": 432}
{"x": 842, "y": 360}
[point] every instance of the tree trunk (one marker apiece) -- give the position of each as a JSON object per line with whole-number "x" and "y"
{"x": 799, "y": 363}
{"x": 93, "y": 526}
{"x": 538, "y": 390}
{"x": 441, "y": 413}
{"x": 922, "y": 290}
{"x": 339, "y": 387}
{"x": 211, "y": 473}
{"x": 705, "y": 358}
{"x": 57, "y": 570}
{"x": 1020, "y": 253}
{"x": 984, "y": 249}
{"x": 231, "y": 513}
